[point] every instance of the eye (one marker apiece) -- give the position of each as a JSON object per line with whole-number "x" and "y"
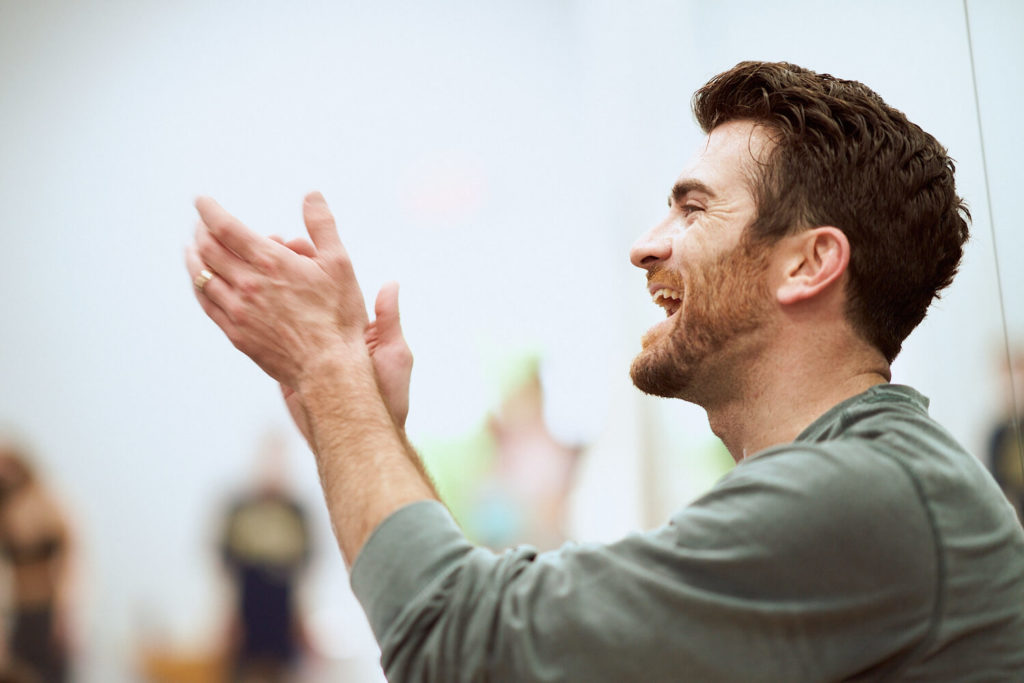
{"x": 690, "y": 209}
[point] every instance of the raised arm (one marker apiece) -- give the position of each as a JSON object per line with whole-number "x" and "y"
{"x": 299, "y": 314}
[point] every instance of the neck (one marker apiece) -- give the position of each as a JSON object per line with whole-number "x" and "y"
{"x": 790, "y": 386}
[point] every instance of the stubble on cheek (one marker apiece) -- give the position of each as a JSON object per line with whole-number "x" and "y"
{"x": 722, "y": 302}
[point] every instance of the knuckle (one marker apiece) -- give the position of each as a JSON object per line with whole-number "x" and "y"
{"x": 238, "y": 315}
{"x": 341, "y": 260}
{"x": 248, "y": 286}
{"x": 236, "y": 338}
{"x": 265, "y": 263}
{"x": 239, "y": 343}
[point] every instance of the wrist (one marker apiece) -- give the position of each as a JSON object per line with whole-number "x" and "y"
{"x": 343, "y": 361}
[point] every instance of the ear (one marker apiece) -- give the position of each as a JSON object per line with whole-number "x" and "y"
{"x": 812, "y": 261}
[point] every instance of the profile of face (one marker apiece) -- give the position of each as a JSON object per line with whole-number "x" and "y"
{"x": 701, "y": 269}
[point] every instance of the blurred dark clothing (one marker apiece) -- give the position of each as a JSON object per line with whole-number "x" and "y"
{"x": 1005, "y": 462}
{"x": 35, "y": 546}
{"x": 33, "y": 645}
{"x": 39, "y": 551}
{"x": 266, "y": 546}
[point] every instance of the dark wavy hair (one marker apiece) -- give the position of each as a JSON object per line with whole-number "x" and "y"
{"x": 843, "y": 157}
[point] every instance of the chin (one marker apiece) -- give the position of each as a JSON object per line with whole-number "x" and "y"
{"x": 657, "y": 372}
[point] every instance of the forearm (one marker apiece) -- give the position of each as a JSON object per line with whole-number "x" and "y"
{"x": 300, "y": 315}
{"x": 367, "y": 469}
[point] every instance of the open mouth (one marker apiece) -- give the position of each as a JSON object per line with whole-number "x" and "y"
{"x": 669, "y": 299}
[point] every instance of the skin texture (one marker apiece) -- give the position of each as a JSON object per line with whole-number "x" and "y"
{"x": 297, "y": 311}
{"x": 699, "y": 250}
{"x": 760, "y": 339}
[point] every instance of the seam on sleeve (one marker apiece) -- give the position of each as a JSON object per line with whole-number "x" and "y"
{"x": 940, "y": 582}
{"x": 383, "y": 523}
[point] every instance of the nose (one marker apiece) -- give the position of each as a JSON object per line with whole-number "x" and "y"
{"x": 652, "y": 248}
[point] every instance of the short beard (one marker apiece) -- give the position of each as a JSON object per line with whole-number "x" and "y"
{"x": 722, "y": 303}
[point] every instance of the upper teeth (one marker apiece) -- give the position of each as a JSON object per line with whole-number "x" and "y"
{"x": 667, "y": 294}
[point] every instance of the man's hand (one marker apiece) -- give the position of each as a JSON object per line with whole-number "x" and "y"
{"x": 295, "y": 308}
{"x": 392, "y": 358}
{"x": 287, "y": 311}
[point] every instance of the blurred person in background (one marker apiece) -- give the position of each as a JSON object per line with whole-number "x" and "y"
{"x": 524, "y": 494}
{"x": 853, "y": 540}
{"x": 266, "y": 548}
{"x": 35, "y": 544}
{"x": 1005, "y": 448}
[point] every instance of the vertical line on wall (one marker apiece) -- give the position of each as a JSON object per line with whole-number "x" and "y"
{"x": 1015, "y": 417}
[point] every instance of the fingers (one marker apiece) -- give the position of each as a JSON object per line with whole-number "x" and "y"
{"x": 385, "y": 310}
{"x": 300, "y": 245}
{"x": 227, "y": 229}
{"x": 217, "y": 257}
{"x": 320, "y": 223}
{"x": 234, "y": 235}
{"x": 213, "y": 289}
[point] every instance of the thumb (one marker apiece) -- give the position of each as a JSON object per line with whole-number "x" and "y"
{"x": 320, "y": 222}
{"x": 385, "y": 309}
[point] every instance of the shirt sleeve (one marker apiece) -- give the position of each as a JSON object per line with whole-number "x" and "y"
{"x": 790, "y": 569}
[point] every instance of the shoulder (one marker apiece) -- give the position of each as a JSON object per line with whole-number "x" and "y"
{"x": 837, "y": 479}
{"x": 835, "y": 507}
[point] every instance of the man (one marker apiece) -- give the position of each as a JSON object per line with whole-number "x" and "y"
{"x": 854, "y": 540}
{"x": 265, "y": 546}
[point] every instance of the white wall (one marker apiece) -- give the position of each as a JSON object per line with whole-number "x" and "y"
{"x": 497, "y": 159}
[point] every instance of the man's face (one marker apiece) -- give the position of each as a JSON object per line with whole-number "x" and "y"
{"x": 701, "y": 270}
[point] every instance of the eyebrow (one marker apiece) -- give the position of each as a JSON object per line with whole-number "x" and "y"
{"x": 685, "y": 187}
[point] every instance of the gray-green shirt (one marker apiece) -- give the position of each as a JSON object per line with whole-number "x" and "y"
{"x": 873, "y": 547}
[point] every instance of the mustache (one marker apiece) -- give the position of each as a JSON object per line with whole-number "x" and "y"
{"x": 665, "y": 277}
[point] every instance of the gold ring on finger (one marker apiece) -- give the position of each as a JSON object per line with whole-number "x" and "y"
{"x": 201, "y": 279}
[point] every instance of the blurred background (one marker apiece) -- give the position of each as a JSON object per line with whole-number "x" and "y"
{"x": 495, "y": 158}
